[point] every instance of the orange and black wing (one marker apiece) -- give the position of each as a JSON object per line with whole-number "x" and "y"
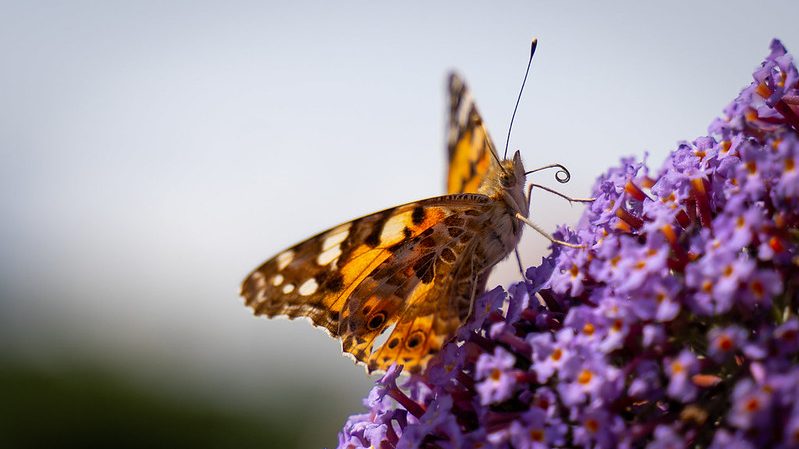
{"x": 405, "y": 273}
{"x": 468, "y": 144}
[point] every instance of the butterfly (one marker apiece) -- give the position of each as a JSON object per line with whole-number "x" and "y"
{"x": 407, "y": 275}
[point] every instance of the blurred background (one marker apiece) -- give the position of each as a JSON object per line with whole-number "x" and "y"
{"x": 153, "y": 153}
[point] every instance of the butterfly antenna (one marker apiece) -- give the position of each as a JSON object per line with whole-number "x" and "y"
{"x": 526, "y": 72}
{"x": 494, "y": 153}
{"x": 562, "y": 175}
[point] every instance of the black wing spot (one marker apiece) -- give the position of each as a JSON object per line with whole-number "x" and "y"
{"x": 425, "y": 267}
{"x": 396, "y": 280}
{"x": 428, "y": 242}
{"x": 373, "y": 239}
{"x": 396, "y": 247}
{"x": 416, "y": 339}
{"x": 418, "y": 214}
{"x": 455, "y": 232}
{"x": 448, "y": 256}
{"x": 348, "y": 343}
{"x": 333, "y": 282}
{"x": 334, "y": 316}
{"x": 454, "y": 220}
{"x": 393, "y": 343}
{"x": 407, "y": 232}
{"x": 376, "y": 321}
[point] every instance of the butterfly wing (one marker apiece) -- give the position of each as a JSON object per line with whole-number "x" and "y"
{"x": 410, "y": 268}
{"x": 468, "y": 144}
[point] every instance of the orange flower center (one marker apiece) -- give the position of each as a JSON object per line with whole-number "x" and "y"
{"x": 763, "y": 90}
{"x": 725, "y": 343}
{"x": 728, "y": 271}
{"x": 752, "y": 405}
{"x": 592, "y": 425}
{"x": 740, "y": 222}
{"x": 758, "y": 289}
{"x": 537, "y": 435}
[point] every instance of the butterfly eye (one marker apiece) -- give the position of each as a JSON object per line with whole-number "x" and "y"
{"x": 376, "y": 321}
{"x": 506, "y": 180}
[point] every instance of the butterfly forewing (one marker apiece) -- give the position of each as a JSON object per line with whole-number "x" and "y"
{"x": 395, "y": 268}
{"x": 468, "y": 144}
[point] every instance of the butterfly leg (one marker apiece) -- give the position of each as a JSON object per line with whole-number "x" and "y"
{"x": 479, "y": 281}
{"x": 567, "y": 198}
{"x": 473, "y": 294}
{"x": 519, "y": 262}
{"x": 548, "y": 236}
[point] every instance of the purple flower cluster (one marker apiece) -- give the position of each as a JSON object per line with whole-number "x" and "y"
{"x": 674, "y": 326}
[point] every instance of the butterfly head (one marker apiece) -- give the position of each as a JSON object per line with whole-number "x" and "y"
{"x": 506, "y": 182}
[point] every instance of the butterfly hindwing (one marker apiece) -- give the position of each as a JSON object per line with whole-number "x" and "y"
{"x": 468, "y": 144}
{"x": 395, "y": 268}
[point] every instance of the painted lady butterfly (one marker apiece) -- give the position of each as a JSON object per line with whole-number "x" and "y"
{"x": 410, "y": 272}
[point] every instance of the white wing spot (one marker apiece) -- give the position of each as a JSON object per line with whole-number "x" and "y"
{"x": 331, "y": 247}
{"x": 284, "y": 258}
{"x": 288, "y": 288}
{"x": 466, "y": 107}
{"x": 392, "y": 230}
{"x": 259, "y": 280}
{"x": 328, "y": 255}
{"x": 336, "y": 236}
{"x": 277, "y": 280}
{"x": 452, "y": 136}
{"x": 308, "y": 287}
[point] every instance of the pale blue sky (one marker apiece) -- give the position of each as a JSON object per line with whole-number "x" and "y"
{"x": 152, "y": 153}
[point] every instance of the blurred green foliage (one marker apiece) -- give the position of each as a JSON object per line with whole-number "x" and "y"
{"x": 88, "y": 408}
